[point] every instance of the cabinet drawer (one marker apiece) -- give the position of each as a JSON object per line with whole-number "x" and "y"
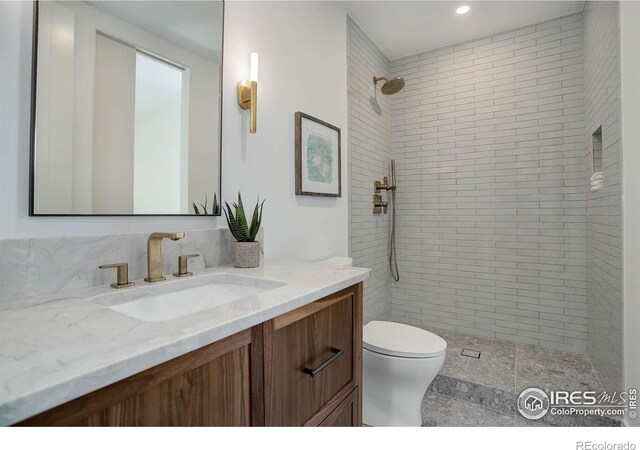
{"x": 313, "y": 359}
{"x": 345, "y": 414}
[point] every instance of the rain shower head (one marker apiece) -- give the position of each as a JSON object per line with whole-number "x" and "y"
{"x": 391, "y": 86}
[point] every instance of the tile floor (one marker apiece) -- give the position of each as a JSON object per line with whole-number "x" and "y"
{"x": 483, "y": 391}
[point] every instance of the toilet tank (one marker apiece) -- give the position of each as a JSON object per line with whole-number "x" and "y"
{"x": 337, "y": 261}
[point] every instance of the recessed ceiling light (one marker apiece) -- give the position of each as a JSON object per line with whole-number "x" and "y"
{"x": 463, "y": 9}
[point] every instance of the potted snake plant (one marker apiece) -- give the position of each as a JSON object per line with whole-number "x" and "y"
{"x": 246, "y": 249}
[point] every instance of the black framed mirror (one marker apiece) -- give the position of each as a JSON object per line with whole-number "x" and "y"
{"x": 126, "y": 108}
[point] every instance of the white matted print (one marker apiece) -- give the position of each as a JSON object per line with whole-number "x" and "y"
{"x": 318, "y": 167}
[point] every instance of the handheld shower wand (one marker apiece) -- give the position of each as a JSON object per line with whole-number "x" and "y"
{"x": 379, "y": 207}
{"x": 393, "y": 258}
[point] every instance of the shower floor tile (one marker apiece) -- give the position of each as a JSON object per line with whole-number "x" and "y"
{"x": 513, "y": 367}
{"x": 550, "y": 369}
{"x": 495, "y": 368}
{"x": 483, "y": 391}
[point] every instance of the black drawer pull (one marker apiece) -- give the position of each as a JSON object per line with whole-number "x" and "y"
{"x": 337, "y": 353}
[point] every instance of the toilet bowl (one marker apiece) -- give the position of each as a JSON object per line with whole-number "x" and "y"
{"x": 399, "y": 364}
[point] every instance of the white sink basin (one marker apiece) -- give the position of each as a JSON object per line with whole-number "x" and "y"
{"x": 170, "y": 300}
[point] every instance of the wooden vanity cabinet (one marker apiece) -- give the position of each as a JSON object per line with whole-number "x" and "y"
{"x": 301, "y": 368}
{"x": 210, "y": 386}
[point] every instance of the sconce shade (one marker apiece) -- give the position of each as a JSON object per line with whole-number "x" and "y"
{"x": 254, "y": 67}
{"x": 248, "y": 93}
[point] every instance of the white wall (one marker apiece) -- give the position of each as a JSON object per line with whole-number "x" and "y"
{"x": 54, "y": 165}
{"x": 202, "y": 166}
{"x": 113, "y": 129}
{"x": 302, "y": 67}
{"x": 302, "y": 47}
{"x": 630, "y": 70}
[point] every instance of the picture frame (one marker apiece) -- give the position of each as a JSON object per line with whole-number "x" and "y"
{"x": 318, "y": 157}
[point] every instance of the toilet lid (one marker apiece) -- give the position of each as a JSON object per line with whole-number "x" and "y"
{"x": 398, "y": 339}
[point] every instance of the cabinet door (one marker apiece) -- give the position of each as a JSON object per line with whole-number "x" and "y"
{"x": 345, "y": 414}
{"x": 314, "y": 360}
{"x": 207, "y": 387}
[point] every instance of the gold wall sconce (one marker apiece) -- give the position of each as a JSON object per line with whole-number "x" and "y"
{"x": 248, "y": 93}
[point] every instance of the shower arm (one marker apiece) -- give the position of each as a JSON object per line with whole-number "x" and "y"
{"x": 376, "y": 79}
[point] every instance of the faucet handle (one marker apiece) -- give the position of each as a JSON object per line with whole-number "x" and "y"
{"x": 122, "y": 275}
{"x": 182, "y": 265}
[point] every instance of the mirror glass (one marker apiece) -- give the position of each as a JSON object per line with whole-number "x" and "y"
{"x": 127, "y": 98}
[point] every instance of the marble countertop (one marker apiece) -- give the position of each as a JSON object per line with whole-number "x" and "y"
{"x": 59, "y": 347}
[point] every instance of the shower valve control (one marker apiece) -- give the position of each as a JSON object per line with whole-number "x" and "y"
{"x": 379, "y": 207}
{"x": 378, "y": 186}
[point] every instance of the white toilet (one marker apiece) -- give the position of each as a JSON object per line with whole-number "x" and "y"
{"x": 399, "y": 363}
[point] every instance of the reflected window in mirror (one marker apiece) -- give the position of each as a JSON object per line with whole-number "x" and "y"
{"x": 127, "y": 107}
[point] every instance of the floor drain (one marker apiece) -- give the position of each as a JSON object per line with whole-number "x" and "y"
{"x": 471, "y": 353}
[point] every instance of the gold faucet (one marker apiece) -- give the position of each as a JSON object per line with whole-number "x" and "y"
{"x": 154, "y": 255}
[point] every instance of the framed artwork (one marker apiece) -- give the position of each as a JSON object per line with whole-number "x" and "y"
{"x": 318, "y": 167}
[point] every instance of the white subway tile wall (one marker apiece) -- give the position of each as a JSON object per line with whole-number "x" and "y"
{"x": 604, "y": 207}
{"x": 370, "y": 155}
{"x": 489, "y": 141}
